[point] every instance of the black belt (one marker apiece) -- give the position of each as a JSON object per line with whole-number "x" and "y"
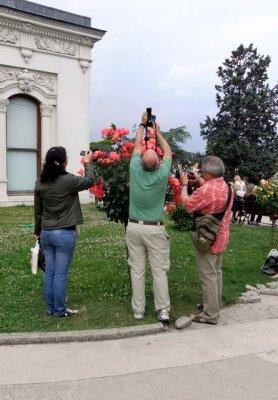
{"x": 158, "y": 223}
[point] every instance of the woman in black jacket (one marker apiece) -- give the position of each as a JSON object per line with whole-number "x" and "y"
{"x": 57, "y": 212}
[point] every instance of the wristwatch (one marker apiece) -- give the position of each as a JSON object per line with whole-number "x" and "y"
{"x": 184, "y": 185}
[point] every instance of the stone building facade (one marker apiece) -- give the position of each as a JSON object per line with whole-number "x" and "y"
{"x": 45, "y": 58}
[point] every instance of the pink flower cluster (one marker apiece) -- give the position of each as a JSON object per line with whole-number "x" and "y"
{"x": 126, "y": 150}
{"x": 114, "y": 133}
{"x": 151, "y": 144}
{"x": 103, "y": 158}
{"x": 175, "y": 189}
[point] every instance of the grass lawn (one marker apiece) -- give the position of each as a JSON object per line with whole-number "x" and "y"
{"x": 99, "y": 284}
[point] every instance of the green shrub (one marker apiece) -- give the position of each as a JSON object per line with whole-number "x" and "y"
{"x": 103, "y": 145}
{"x": 183, "y": 220}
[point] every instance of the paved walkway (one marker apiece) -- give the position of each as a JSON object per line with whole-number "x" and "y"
{"x": 236, "y": 360}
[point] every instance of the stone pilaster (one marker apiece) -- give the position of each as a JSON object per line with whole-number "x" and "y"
{"x": 46, "y": 135}
{"x": 3, "y": 148}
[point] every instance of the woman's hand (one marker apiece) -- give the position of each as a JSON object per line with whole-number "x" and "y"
{"x": 88, "y": 157}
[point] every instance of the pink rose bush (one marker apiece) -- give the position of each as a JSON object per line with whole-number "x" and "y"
{"x": 112, "y": 170}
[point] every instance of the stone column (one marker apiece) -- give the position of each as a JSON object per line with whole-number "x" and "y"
{"x": 46, "y": 137}
{"x": 3, "y": 149}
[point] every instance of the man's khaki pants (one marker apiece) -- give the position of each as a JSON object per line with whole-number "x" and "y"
{"x": 209, "y": 267}
{"x": 152, "y": 242}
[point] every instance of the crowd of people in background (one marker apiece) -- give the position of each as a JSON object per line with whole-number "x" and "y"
{"x": 245, "y": 201}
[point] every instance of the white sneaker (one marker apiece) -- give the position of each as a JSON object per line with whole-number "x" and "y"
{"x": 70, "y": 313}
{"x": 163, "y": 315}
{"x": 138, "y": 315}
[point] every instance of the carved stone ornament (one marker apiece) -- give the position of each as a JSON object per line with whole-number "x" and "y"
{"x": 27, "y": 28}
{"x": 8, "y": 36}
{"x": 55, "y": 46}
{"x": 84, "y": 65}
{"x": 87, "y": 41}
{"x": 3, "y": 105}
{"x": 27, "y": 79}
{"x": 26, "y": 54}
{"x": 46, "y": 110}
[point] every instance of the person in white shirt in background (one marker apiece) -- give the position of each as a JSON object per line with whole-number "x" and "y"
{"x": 239, "y": 187}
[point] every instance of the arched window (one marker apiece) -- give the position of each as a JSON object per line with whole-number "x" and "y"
{"x": 23, "y": 144}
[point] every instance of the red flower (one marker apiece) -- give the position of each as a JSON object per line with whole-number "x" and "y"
{"x": 108, "y": 132}
{"x": 122, "y": 132}
{"x": 126, "y": 150}
{"x": 159, "y": 152}
{"x": 98, "y": 190}
{"x": 151, "y": 133}
{"x": 151, "y": 144}
{"x": 108, "y": 161}
{"x": 99, "y": 154}
{"x": 177, "y": 196}
{"x": 174, "y": 181}
{"x": 114, "y": 133}
{"x": 116, "y": 137}
{"x": 128, "y": 145}
{"x": 114, "y": 156}
{"x": 101, "y": 161}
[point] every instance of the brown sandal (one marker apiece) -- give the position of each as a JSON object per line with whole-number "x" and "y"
{"x": 201, "y": 320}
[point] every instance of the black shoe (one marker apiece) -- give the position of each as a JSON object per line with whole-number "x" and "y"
{"x": 49, "y": 314}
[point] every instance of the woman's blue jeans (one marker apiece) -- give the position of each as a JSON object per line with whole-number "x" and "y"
{"x": 58, "y": 246}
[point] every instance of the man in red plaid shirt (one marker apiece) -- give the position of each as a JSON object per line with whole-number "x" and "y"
{"x": 210, "y": 198}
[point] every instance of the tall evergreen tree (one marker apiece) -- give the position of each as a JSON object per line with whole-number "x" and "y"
{"x": 244, "y": 131}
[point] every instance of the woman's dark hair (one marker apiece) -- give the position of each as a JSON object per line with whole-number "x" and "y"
{"x": 54, "y": 165}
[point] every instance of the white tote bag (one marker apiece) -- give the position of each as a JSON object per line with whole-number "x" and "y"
{"x": 35, "y": 257}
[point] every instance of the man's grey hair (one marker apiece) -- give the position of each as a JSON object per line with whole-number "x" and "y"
{"x": 213, "y": 165}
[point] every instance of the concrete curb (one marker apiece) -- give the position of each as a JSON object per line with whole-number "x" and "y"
{"x": 9, "y": 339}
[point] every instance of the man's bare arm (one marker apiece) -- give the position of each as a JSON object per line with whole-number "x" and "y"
{"x": 140, "y": 134}
{"x": 163, "y": 143}
{"x": 184, "y": 187}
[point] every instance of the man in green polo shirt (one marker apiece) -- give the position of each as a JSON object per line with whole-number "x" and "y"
{"x": 146, "y": 236}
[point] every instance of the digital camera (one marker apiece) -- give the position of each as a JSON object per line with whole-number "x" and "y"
{"x": 84, "y": 152}
{"x": 151, "y": 118}
{"x": 190, "y": 174}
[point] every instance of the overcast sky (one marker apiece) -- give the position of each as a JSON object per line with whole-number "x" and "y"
{"x": 165, "y": 54}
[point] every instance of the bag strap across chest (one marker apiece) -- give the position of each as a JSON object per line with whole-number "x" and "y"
{"x": 220, "y": 215}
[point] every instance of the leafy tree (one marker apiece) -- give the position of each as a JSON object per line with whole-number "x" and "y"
{"x": 176, "y": 138}
{"x": 244, "y": 131}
